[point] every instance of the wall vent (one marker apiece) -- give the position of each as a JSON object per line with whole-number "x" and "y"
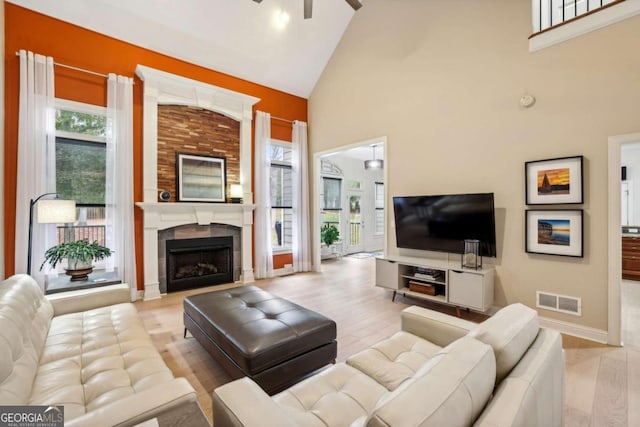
{"x": 561, "y": 303}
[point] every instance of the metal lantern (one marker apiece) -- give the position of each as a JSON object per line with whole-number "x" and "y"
{"x": 471, "y": 257}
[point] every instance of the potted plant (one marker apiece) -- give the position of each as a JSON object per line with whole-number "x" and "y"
{"x": 79, "y": 254}
{"x": 329, "y": 234}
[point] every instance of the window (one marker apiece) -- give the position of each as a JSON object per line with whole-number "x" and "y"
{"x": 81, "y": 171}
{"x": 332, "y": 188}
{"x": 80, "y": 159}
{"x": 280, "y": 154}
{"x": 354, "y": 185}
{"x": 379, "y": 207}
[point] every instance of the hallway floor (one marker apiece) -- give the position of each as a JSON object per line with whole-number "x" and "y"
{"x": 631, "y": 313}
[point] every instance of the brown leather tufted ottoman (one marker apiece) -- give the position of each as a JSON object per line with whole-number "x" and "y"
{"x": 256, "y": 334}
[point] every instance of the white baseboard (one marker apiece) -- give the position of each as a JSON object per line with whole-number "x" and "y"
{"x": 586, "y": 332}
{"x": 287, "y": 270}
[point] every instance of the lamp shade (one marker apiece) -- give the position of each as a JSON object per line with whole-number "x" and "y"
{"x": 56, "y": 211}
{"x": 236, "y": 191}
{"x": 373, "y": 164}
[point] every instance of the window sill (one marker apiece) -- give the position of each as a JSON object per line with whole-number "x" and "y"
{"x": 98, "y": 278}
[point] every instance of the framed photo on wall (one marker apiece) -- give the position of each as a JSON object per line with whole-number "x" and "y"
{"x": 554, "y": 181}
{"x": 554, "y": 232}
{"x": 200, "y": 178}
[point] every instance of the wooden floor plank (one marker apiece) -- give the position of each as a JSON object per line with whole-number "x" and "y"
{"x": 576, "y": 418}
{"x": 630, "y": 313}
{"x": 633, "y": 387}
{"x": 610, "y": 401}
{"x": 583, "y": 363}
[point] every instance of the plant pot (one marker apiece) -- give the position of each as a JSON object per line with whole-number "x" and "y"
{"x": 78, "y": 270}
{"x": 79, "y": 275}
{"x": 325, "y": 251}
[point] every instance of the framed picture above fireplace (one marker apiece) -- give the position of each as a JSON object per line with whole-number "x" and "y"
{"x": 200, "y": 178}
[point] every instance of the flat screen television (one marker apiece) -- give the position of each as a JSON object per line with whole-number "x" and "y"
{"x": 442, "y": 223}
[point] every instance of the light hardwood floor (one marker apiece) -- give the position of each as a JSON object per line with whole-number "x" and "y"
{"x": 630, "y": 313}
{"x": 602, "y": 383}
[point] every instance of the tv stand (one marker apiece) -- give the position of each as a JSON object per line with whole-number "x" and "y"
{"x": 439, "y": 281}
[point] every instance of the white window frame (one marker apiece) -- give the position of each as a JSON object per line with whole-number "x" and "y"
{"x": 378, "y": 202}
{"x": 284, "y": 248}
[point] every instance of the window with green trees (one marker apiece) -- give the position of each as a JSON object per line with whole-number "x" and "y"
{"x": 81, "y": 157}
{"x": 81, "y": 166}
{"x": 280, "y": 156}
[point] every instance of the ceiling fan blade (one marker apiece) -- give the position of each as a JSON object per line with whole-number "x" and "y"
{"x": 355, "y": 4}
{"x": 257, "y": 1}
{"x": 308, "y": 6}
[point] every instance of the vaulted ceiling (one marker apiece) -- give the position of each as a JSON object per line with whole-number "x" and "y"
{"x": 242, "y": 38}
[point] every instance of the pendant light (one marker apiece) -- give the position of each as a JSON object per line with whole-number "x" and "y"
{"x": 374, "y": 164}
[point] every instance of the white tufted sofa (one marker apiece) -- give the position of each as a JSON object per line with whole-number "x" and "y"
{"x": 438, "y": 371}
{"x": 87, "y": 351}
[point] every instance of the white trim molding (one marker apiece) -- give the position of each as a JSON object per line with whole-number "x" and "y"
{"x": 162, "y": 88}
{"x": 586, "y": 332}
{"x": 160, "y": 216}
{"x": 585, "y": 24}
{"x": 614, "y": 233}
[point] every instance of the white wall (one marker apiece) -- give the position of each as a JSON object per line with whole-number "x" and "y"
{"x": 630, "y": 157}
{"x": 442, "y": 80}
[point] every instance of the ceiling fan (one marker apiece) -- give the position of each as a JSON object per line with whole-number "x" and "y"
{"x": 308, "y": 6}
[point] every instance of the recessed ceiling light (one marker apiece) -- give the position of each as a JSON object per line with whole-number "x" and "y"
{"x": 281, "y": 19}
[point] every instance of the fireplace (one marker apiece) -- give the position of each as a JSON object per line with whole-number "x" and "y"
{"x": 161, "y": 88}
{"x": 193, "y": 263}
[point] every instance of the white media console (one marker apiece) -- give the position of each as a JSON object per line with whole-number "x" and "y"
{"x": 440, "y": 281}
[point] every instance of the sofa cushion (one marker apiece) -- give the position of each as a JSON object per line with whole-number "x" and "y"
{"x": 533, "y": 393}
{"x": 451, "y": 389}
{"x": 392, "y": 361}
{"x": 509, "y": 332}
{"x": 96, "y": 357}
{"x": 337, "y": 396}
{"x": 25, "y": 315}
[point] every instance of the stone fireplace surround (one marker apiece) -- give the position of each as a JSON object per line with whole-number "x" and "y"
{"x": 194, "y": 231}
{"x": 165, "y": 88}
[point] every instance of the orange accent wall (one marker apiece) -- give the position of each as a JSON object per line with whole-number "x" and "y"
{"x": 73, "y": 45}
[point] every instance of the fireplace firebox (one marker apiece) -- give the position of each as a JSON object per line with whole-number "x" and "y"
{"x": 193, "y": 263}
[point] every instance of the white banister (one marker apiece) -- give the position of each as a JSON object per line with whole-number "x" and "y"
{"x": 555, "y": 21}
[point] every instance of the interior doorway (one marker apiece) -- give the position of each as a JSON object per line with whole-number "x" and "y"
{"x": 623, "y": 294}
{"x": 630, "y": 285}
{"x": 350, "y": 196}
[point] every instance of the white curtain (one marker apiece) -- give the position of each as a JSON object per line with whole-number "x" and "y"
{"x": 301, "y": 218}
{"x": 263, "y": 250}
{"x": 36, "y": 158}
{"x": 119, "y": 181}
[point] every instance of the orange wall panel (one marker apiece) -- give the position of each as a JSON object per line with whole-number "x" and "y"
{"x": 280, "y": 260}
{"x": 73, "y": 45}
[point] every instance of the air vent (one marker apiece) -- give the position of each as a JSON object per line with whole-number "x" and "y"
{"x": 561, "y": 303}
